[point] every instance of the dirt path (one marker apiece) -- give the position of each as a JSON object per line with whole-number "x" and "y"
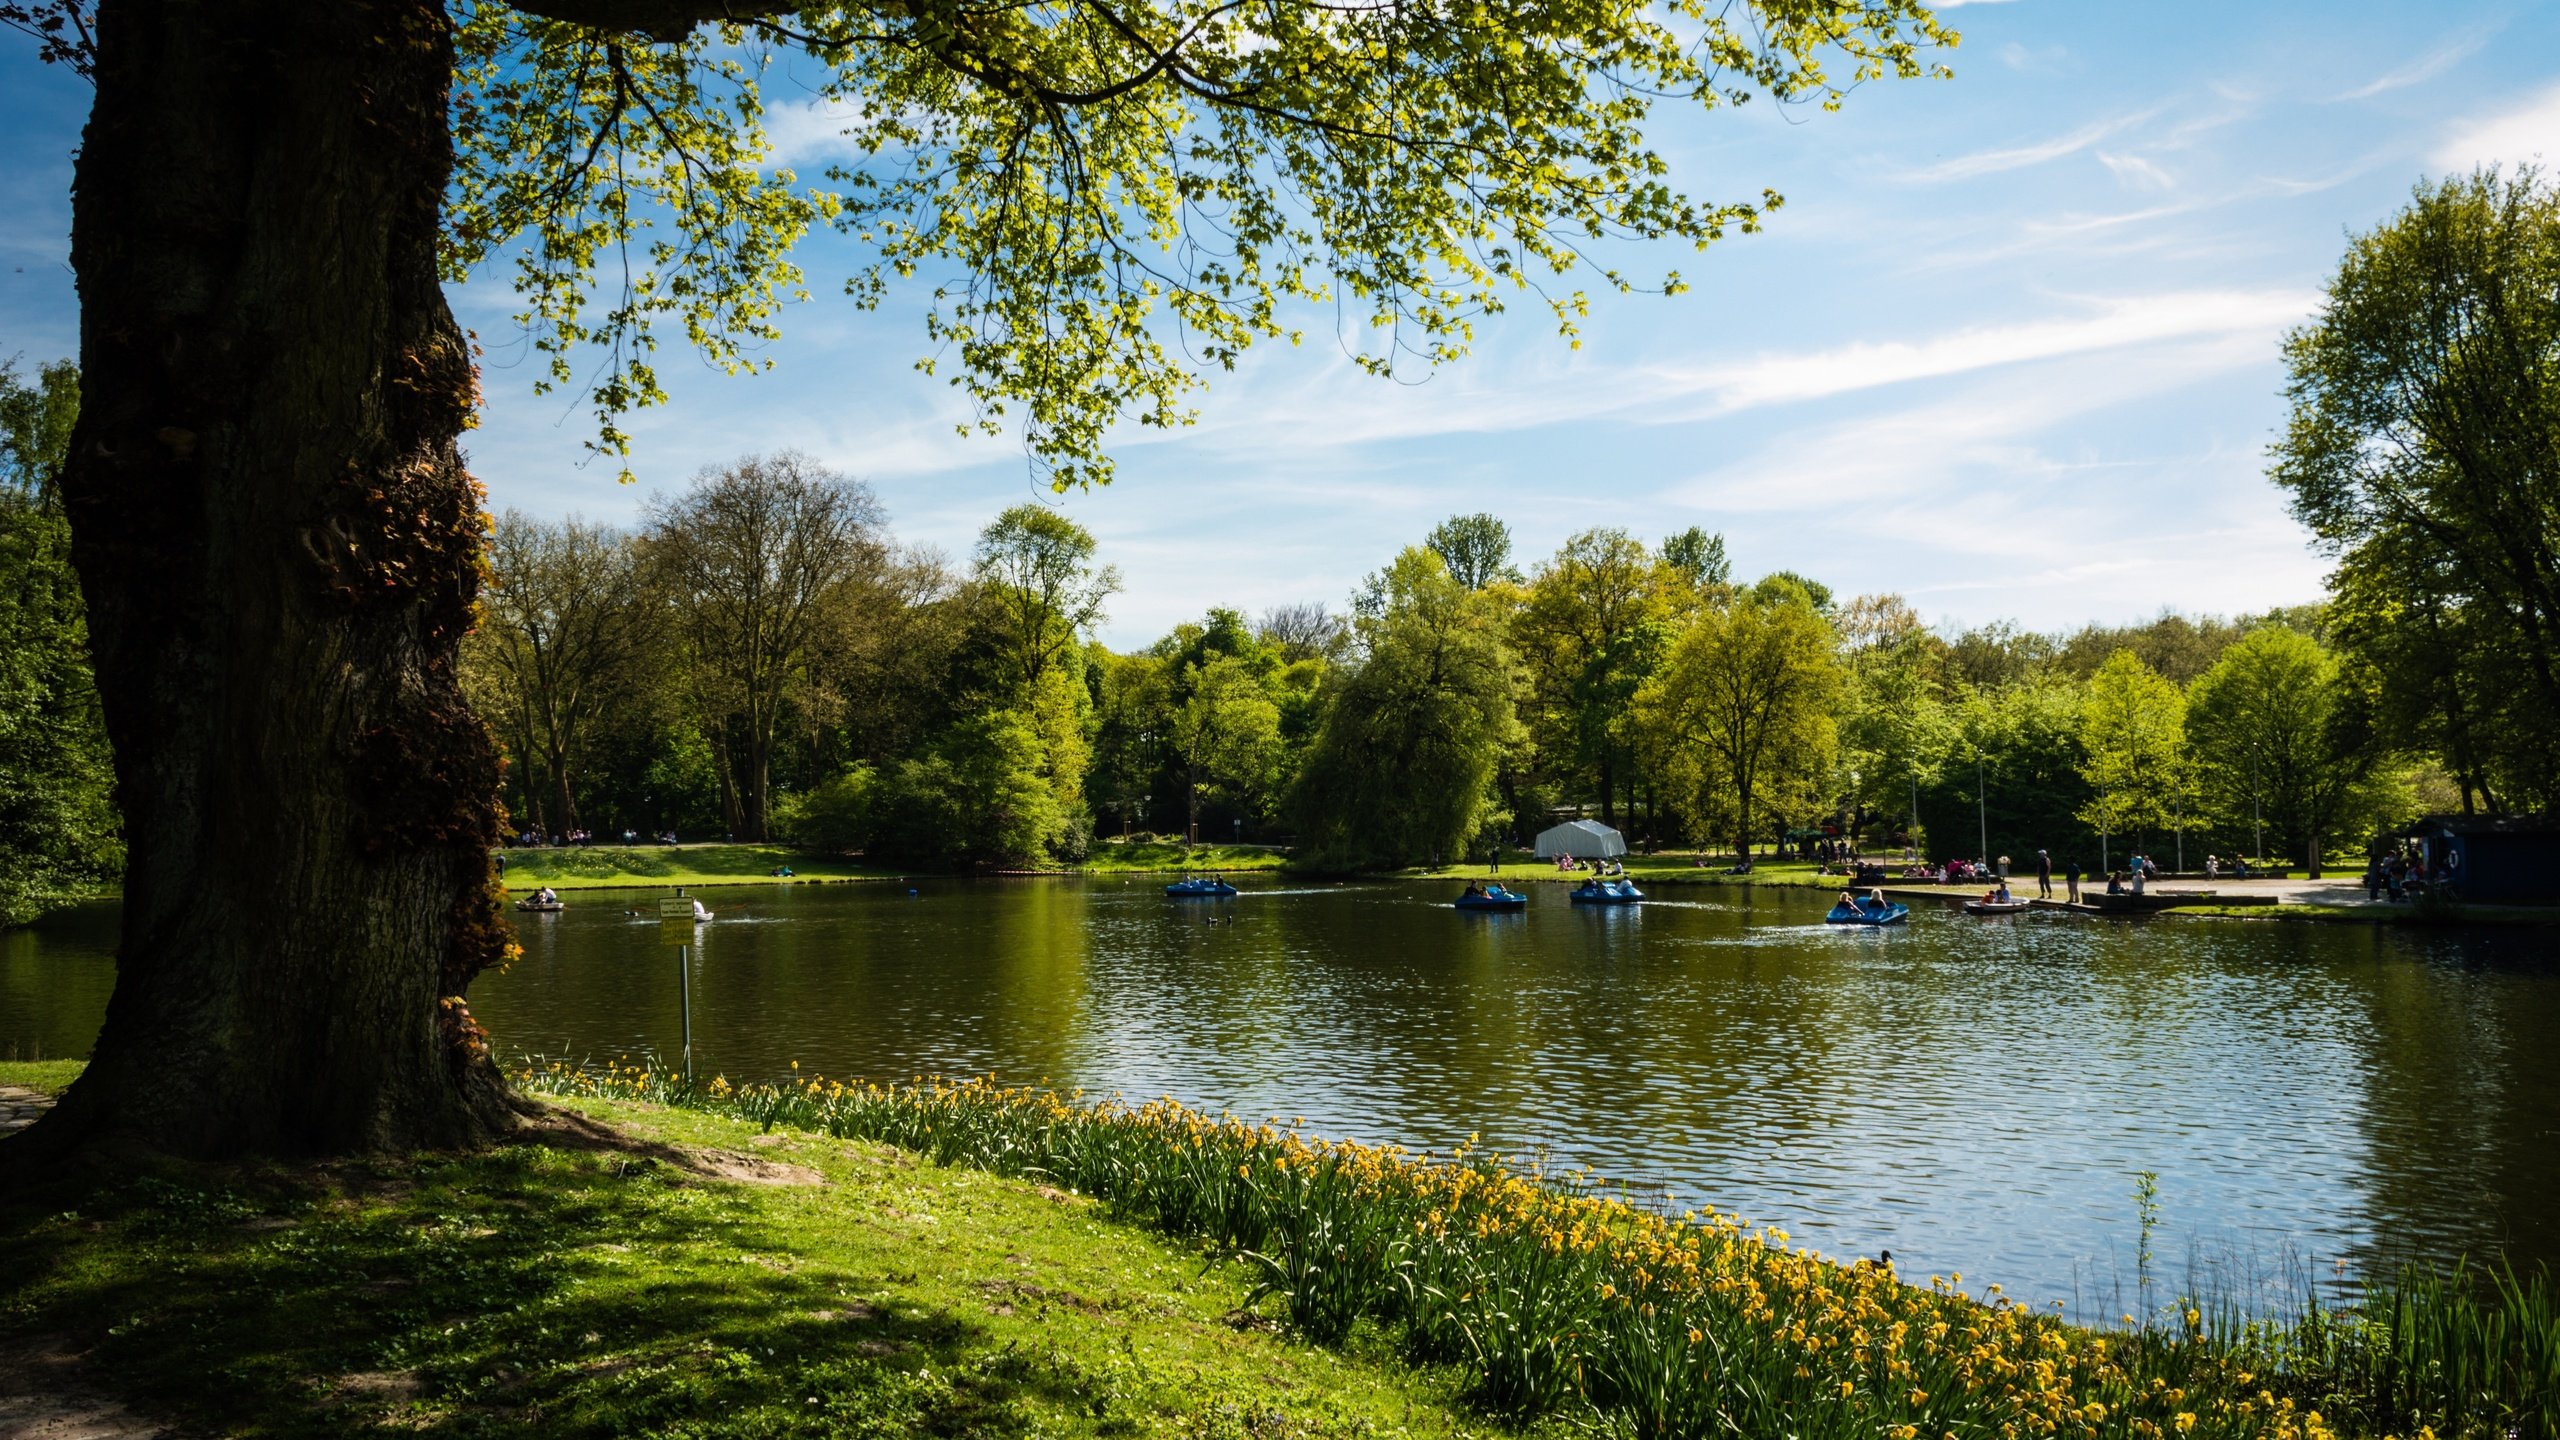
{"x": 42, "y": 1398}
{"x": 19, "y": 1108}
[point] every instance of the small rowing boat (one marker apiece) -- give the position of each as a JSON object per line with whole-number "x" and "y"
{"x": 1492, "y": 898}
{"x": 1208, "y": 889}
{"x": 1606, "y": 892}
{"x": 1893, "y": 914}
{"x": 1994, "y": 907}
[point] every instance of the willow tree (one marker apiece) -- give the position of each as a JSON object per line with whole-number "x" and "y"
{"x": 277, "y": 537}
{"x": 1402, "y": 770}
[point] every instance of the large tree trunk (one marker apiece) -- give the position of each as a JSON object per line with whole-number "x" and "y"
{"x": 279, "y": 548}
{"x": 560, "y": 791}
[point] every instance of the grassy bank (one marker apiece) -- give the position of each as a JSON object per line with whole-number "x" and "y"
{"x": 45, "y": 1077}
{"x": 1556, "y": 1300}
{"x": 967, "y": 1261}
{"x": 552, "y": 1290}
{"x": 1118, "y": 857}
{"x": 1665, "y": 869}
{"x": 601, "y": 867}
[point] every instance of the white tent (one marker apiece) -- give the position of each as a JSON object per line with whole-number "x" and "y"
{"x": 1581, "y": 839}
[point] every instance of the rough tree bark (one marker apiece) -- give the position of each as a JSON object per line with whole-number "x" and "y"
{"x": 279, "y": 549}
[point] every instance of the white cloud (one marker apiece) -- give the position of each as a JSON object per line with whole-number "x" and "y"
{"x": 2049, "y": 60}
{"x": 2112, "y": 324}
{"x": 2426, "y": 67}
{"x": 1260, "y": 414}
{"x": 814, "y": 131}
{"x": 2135, "y": 171}
{"x": 2522, "y": 132}
{"x": 1988, "y": 162}
{"x": 1996, "y": 506}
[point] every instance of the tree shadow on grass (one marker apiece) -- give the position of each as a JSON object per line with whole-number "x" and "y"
{"x": 529, "y": 1290}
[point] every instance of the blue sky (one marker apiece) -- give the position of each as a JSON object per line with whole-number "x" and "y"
{"x": 2010, "y": 349}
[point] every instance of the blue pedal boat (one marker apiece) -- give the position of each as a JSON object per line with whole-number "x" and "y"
{"x": 1607, "y": 892}
{"x": 1494, "y": 898}
{"x": 1211, "y": 889}
{"x": 1893, "y": 914}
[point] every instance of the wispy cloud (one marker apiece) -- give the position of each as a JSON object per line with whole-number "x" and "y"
{"x": 2521, "y": 132}
{"x": 2110, "y": 325}
{"x": 1990, "y": 162}
{"x": 2051, "y": 59}
{"x": 2423, "y": 69}
{"x": 2135, "y": 171}
{"x": 1357, "y": 411}
{"x": 2044, "y": 526}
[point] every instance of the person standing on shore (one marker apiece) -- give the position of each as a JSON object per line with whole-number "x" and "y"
{"x": 2044, "y": 874}
{"x": 2074, "y": 891}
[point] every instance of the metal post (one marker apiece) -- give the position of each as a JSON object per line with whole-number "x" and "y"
{"x": 1981, "y": 810}
{"x": 684, "y": 1003}
{"x": 2256, "y": 825}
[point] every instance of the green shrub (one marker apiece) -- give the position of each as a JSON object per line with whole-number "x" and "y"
{"x": 836, "y": 818}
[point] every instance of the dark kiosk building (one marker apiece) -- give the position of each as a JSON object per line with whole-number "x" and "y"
{"x": 2492, "y": 858}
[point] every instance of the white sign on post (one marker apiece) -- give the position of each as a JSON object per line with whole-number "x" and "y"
{"x": 675, "y": 919}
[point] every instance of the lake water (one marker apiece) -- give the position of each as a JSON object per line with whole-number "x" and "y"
{"x": 1977, "y": 1096}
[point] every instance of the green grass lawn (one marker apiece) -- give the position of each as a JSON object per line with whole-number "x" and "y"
{"x": 1116, "y": 857}
{"x": 541, "y": 1290}
{"x": 1670, "y": 868}
{"x": 601, "y": 867}
{"x": 598, "y": 867}
{"x": 49, "y": 1077}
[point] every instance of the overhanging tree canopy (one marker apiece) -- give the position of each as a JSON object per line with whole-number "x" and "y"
{"x": 276, "y": 535}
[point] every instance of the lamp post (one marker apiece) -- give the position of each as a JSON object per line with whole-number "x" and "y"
{"x": 1981, "y": 808}
{"x": 2257, "y": 826}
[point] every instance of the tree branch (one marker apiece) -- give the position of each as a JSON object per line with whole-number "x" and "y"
{"x": 660, "y": 20}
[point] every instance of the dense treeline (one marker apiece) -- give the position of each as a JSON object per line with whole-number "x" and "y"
{"x": 762, "y": 658}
